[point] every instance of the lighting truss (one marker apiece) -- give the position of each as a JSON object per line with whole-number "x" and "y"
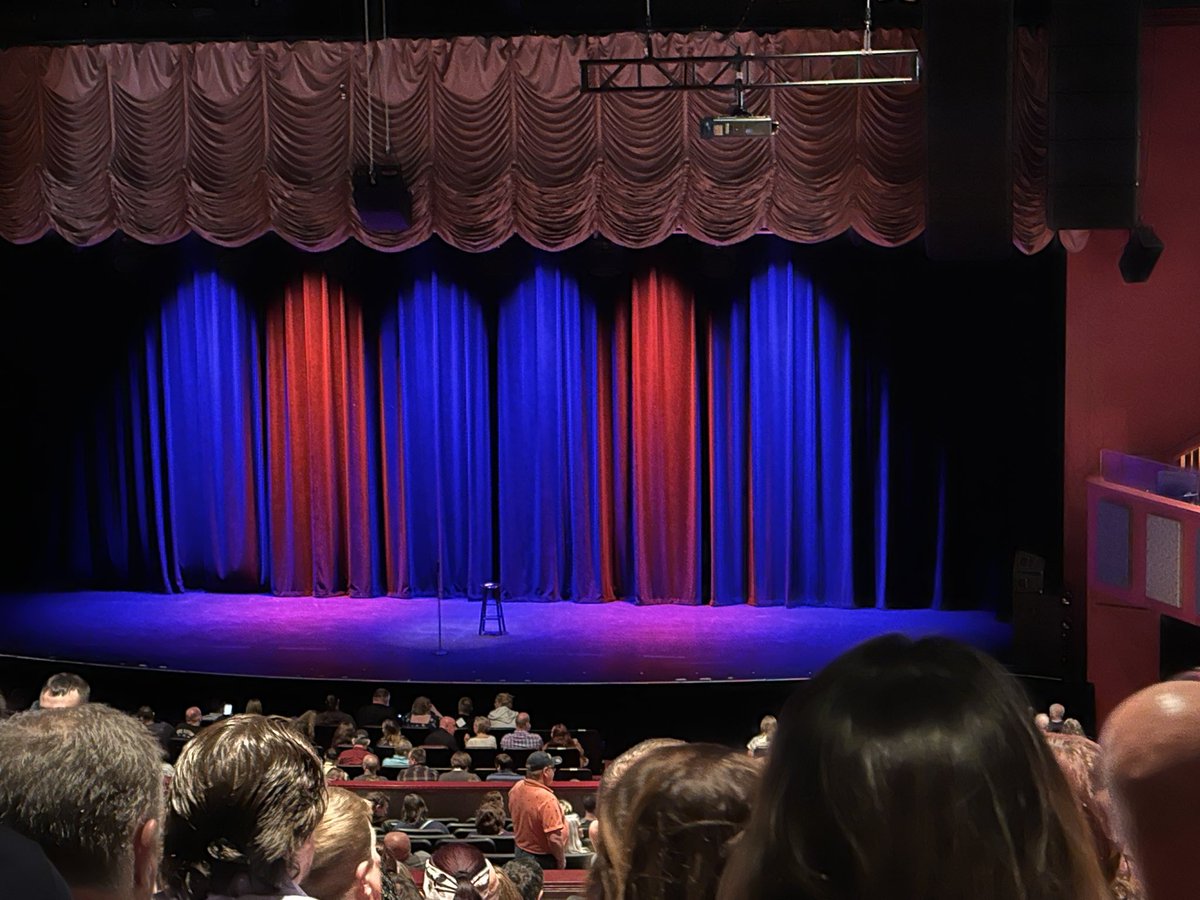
{"x": 749, "y": 72}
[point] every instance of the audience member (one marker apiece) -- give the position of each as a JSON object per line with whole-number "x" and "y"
{"x": 401, "y": 748}
{"x": 466, "y": 712}
{"x": 482, "y": 739}
{"x": 332, "y": 716}
{"x": 589, "y": 810}
{"x": 521, "y": 738}
{"x": 537, "y": 818}
{"x": 761, "y": 742}
{"x": 191, "y": 724}
{"x": 415, "y": 814}
{"x": 334, "y": 775}
{"x": 573, "y": 833}
{"x": 62, "y": 691}
{"x": 458, "y": 871}
{"x": 343, "y": 735}
{"x": 160, "y": 731}
{"x": 27, "y": 872}
{"x": 560, "y": 739}
{"x": 354, "y": 756}
{"x": 615, "y": 770}
{"x": 230, "y": 835}
{"x": 1042, "y": 722}
{"x": 380, "y": 805}
{"x": 666, "y": 830}
{"x": 460, "y": 769}
{"x": 254, "y": 707}
{"x": 377, "y": 710}
{"x": 1080, "y": 761}
{"x": 489, "y": 821}
{"x": 495, "y": 800}
{"x": 370, "y": 772}
{"x": 306, "y": 725}
{"x": 390, "y": 733}
{"x": 1151, "y": 764}
{"x": 1073, "y": 726}
{"x": 417, "y": 770}
{"x": 503, "y": 716}
{"x": 1054, "y": 724}
{"x": 422, "y": 715}
{"x": 85, "y": 783}
{"x": 526, "y": 876}
{"x": 910, "y": 769}
{"x": 443, "y": 735}
{"x": 399, "y": 845}
{"x": 345, "y": 862}
{"x": 504, "y": 769}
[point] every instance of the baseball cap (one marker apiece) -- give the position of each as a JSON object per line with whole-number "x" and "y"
{"x": 540, "y": 759}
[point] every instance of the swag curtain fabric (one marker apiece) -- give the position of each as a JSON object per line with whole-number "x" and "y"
{"x": 495, "y": 139}
{"x": 648, "y": 444}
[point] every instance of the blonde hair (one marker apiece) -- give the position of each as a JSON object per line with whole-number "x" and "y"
{"x": 342, "y": 841}
{"x": 767, "y": 725}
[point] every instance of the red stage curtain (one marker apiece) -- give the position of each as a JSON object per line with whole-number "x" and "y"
{"x": 237, "y": 139}
{"x": 319, "y": 451}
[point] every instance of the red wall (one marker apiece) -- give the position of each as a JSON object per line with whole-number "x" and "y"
{"x": 1133, "y": 350}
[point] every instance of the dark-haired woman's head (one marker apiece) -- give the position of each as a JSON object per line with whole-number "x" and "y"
{"x": 458, "y": 871}
{"x": 247, "y": 795}
{"x": 414, "y": 809}
{"x": 909, "y": 770}
{"x": 669, "y": 822}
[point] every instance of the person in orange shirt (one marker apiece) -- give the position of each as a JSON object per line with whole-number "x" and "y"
{"x": 538, "y": 823}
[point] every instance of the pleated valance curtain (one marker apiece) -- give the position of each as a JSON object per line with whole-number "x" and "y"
{"x": 234, "y": 140}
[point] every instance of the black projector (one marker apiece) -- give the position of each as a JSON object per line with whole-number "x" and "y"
{"x": 737, "y": 126}
{"x": 382, "y": 199}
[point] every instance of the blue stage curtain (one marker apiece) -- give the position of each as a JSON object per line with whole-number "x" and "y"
{"x": 168, "y": 483}
{"x": 433, "y": 352}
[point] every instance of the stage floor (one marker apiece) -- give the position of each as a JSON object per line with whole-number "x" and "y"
{"x": 390, "y": 639}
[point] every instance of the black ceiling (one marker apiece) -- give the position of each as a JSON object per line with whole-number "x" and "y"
{"x": 68, "y": 21}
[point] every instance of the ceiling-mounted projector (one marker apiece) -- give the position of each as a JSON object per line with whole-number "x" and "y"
{"x": 737, "y": 125}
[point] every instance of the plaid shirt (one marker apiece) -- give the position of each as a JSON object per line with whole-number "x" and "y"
{"x": 418, "y": 773}
{"x": 521, "y": 740}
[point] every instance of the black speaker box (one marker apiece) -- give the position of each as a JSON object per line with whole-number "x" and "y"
{"x": 968, "y": 84}
{"x": 1093, "y": 140}
{"x": 1141, "y": 252}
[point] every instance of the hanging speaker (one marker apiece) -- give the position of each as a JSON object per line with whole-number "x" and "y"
{"x": 382, "y": 198}
{"x": 1141, "y": 252}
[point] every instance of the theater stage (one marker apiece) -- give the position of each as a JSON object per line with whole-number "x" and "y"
{"x": 391, "y": 639}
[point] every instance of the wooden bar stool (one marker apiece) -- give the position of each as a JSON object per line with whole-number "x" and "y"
{"x": 491, "y": 594}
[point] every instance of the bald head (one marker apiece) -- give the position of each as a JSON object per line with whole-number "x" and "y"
{"x": 1057, "y": 711}
{"x": 447, "y": 724}
{"x": 1152, "y": 765}
{"x": 398, "y": 844}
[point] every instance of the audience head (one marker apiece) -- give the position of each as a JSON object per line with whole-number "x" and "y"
{"x": 345, "y": 864}
{"x": 666, "y": 831}
{"x": 482, "y": 725}
{"x": 522, "y": 721}
{"x": 526, "y": 876}
{"x": 559, "y": 734}
{"x": 1057, "y": 711}
{"x": 398, "y": 844}
{"x": 63, "y": 691}
{"x": 1042, "y": 722}
{"x": 193, "y": 716}
{"x": 589, "y": 804}
{"x": 1072, "y": 726}
{"x": 332, "y": 703}
{"x": 616, "y": 769}
{"x": 382, "y": 696}
{"x": 504, "y": 762}
{"x": 370, "y": 764}
{"x": 460, "y": 760}
{"x": 447, "y": 723}
{"x": 767, "y": 725}
{"x": 466, "y": 707}
{"x": 1151, "y": 747}
{"x": 403, "y": 745}
{"x": 343, "y": 735}
{"x": 391, "y": 728}
{"x": 379, "y": 807}
{"x": 306, "y": 725}
{"x": 421, "y": 707}
{"x": 911, "y": 769}
{"x": 489, "y": 820}
{"x": 247, "y": 796}
{"x": 362, "y": 739}
{"x": 416, "y": 756}
{"x": 254, "y": 707}
{"x": 414, "y": 809}
{"x": 85, "y": 783}
{"x": 458, "y": 871}
{"x": 504, "y": 700}
{"x": 540, "y": 766}
{"x": 145, "y": 715}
